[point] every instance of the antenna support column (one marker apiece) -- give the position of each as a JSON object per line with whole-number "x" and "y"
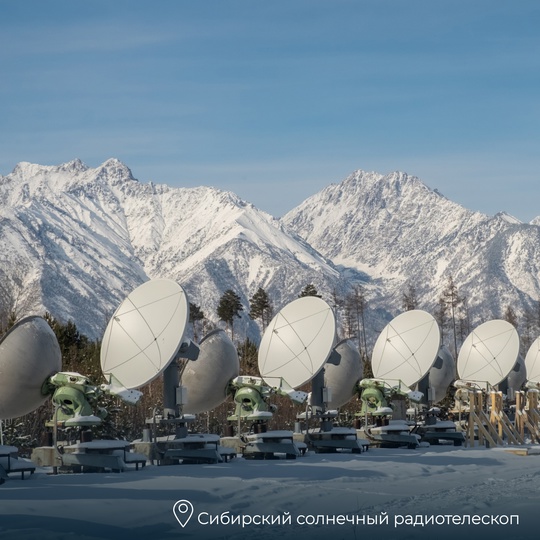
{"x": 170, "y": 383}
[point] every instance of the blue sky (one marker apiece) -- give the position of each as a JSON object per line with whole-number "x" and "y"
{"x": 274, "y": 100}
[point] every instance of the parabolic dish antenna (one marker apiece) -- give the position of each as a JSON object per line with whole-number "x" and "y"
{"x": 516, "y": 378}
{"x": 442, "y": 374}
{"x": 342, "y": 377}
{"x": 532, "y": 362}
{"x": 145, "y": 333}
{"x": 29, "y": 355}
{"x": 298, "y": 341}
{"x": 489, "y": 353}
{"x": 207, "y": 379}
{"x": 406, "y": 348}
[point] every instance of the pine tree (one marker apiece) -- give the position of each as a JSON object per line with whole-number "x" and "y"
{"x": 261, "y": 307}
{"x": 510, "y": 316}
{"x": 309, "y": 290}
{"x": 528, "y": 335}
{"x": 358, "y": 304}
{"x": 441, "y": 315}
{"x": 409, "y": 300}
{"x": 453, "y": 300}
{"x": 229, "y": 307}
{"x": 195, "y": 316}
{"x": 12, "y": 319}
{"x": 464, "y": 322}
{"x": 368, "y": 369}
{"x": 338, "y": 305}
{"x": 349, "y": 320}
{"x": 248, "y": 356}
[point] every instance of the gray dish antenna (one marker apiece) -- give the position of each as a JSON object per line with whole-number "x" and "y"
{"x": 342, "y": 372}
{"x": 206, "y": 380}
{"x": 440, "y": 376}
{"x": 145, "y": 333}
{"x": 489, "y": 353}
{"x": 515, "y": 379}
{"x": 407, "y": 347}
{"x": 29, "y": 355}
{"x": 297, "y": 342}
{"x": 532, "y": 362}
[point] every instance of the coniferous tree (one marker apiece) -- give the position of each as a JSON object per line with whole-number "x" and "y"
{"x": 12, "y": 319}
{"x": 441, "y": 315}
{"x": 358, "y": 303}
{"x": 368, "y": 369}
{"x": 511, "y": 316}
{"x": 196, "y": 315}
{"x": 261, "y": 307}
{"x": 309, "y": 290}
{"x": 528, "y": 335}
{"x": 409, "y": 300}
{"x": 537, "y": 316}
{"x": 248, "y": 356}
{"x": 338, "y": 305}
{"x": 229, "y": 307}
{"x": 349, "y": 319}
{"x": 464, "y": 322}
{"x": 453, "y": 300}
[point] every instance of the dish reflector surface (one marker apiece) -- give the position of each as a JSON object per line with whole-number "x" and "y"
{"x": 489, "y": 352}
{"x": 516, "y": 378}
{"x": 207, "y": 378}
{"x": 342, "y": 378}
{"x": 298, "y": 341}
{"x": 145, "y": 333}
{"x": 407, "y": 347}
{"x": 29, "y": 355}
{"x": 532, "y": 362}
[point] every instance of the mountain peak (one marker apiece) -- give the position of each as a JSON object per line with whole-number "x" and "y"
{"x": 25, "y": 169}
{"x": 117, "y": 171}
{"x": 508, "y": 218}
{"x": 74, "y": 166}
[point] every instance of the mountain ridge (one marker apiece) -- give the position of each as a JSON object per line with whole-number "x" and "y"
{"x": 102, "y": 233}
{"x": 78, "y": 239}
{"x": 408, "y": 233}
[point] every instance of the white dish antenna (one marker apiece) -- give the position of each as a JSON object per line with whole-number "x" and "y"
{"x": 489, "y": 353}
{"x": 532, "y": 362}
{"x": 29, "y": 355}
{"x": 342, "y": 372}
{"x": 298, "y": 341}
{"x": 145, "y": 333}
{"x": 207, "y": 379}
{"x": 406, "y": 348}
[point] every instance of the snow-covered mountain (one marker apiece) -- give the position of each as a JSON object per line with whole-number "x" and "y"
{"x": 75, "y": 240}
{"x": 398, "y": 232}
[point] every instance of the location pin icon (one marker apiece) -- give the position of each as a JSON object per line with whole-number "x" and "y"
{"x": 183, "y": 510}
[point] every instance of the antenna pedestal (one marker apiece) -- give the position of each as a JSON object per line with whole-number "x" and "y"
{"x": 171, "y": 406}
{"x": 328, "y": 438}
{"x": 170, "y": 384}
{"x": 399, "y": 408}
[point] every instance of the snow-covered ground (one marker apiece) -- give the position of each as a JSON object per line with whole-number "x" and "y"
{"x": 437, "y": 482}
